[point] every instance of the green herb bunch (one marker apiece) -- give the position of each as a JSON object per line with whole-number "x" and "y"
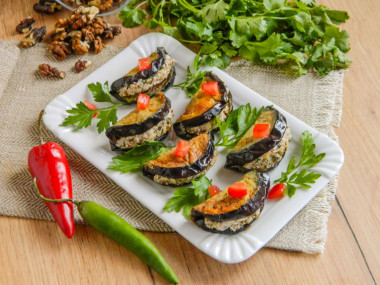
{"x": 298, "y": 35}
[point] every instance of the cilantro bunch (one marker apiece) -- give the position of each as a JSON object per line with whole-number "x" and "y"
{"x": 298, "y": 35}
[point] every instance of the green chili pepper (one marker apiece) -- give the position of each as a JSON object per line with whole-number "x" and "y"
{"x": 114, "y": 227}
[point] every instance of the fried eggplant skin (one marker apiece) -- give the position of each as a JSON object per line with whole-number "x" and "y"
{"x": 253, "y": 206}
{"x": 156, "y": 65}
{"x": 181, "y": 127}
{"x": 236, "y": 160}
{"x": 119, "y": 131}
{"x": 150, "y": 169}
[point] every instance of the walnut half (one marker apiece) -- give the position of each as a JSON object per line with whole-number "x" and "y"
{"x": 49, "y": 71}
{"x": 35, "y": 35}
{"x": 25, "y": 25}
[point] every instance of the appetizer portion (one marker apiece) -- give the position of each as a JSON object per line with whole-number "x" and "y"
{"x": 151, "y": 120}
{"x": 187, "y": 161}
{"x": 263, "y": 145}
{"x": 236, "y": 207}
{"x": 212, "y": 99}
{"x": 152, "y": 74}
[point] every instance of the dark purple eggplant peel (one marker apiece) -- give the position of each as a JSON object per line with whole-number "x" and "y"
{"x": 159, "y": 77}
{"x": 155, "y": 126}
{"x": 228, "y": 215}
{"x": 206, "y": 122}
{"x": 167, "y": 174}
{"x": 263, "y": 154}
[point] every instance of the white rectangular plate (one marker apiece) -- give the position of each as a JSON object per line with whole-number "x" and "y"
{"x": 95, "y": 148}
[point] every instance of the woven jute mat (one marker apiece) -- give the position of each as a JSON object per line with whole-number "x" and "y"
{"x": 24, "y": 92}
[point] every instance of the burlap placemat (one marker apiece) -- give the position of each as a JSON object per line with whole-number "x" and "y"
{"x": 24, "y": 92}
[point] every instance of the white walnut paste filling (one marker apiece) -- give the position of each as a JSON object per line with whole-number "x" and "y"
{"x": 272, "y": 157}
{"x": 144, "y": 85}
{"x": 150, "y": 135}
{"x": 233, "y": 225}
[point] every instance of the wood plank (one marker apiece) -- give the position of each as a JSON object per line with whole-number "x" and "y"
{"x": 359, "y": 180}
{"x": 36, "y": 252}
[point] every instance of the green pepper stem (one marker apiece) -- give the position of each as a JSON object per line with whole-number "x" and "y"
{"x": 40, "y": 126}
{"x": 51, "y": 200}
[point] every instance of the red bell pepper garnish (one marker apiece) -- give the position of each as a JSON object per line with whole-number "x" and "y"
{"x": 142, "y": 101}
{"x": 48, "y": 164}
{"x": 277, "y": 191}
{"x": 260, "y": 131}
{"x": 91, "y": 106}
{"x": 213, "y": 190}
{"x": 182, "y": 149}
{"x": 144, "y": 63}
{"x": 237, "y": 190}
{"x": 211, "y": 88}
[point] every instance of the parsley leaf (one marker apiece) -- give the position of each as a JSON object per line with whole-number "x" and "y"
{"x": 193, "y": 79}
{"x": 134, "y": 159}
{"x": 131, "y": 16}
{"x": 214, "y": 12}
{"x": 302, "y": 178}
{"x": 186, "y": 198}
{"x": 81, "y": 116}
{"x": 237, "y": 124}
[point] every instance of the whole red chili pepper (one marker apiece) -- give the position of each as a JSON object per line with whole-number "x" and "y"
{"x": 48, "y": 163}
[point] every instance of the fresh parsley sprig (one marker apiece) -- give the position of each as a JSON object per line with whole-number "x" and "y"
{"x": 297, "y": 175}
{"x": 81, "y": 116}
{"x": 193, "y": 79}
{"x": 134, "y": 159}
{"x": 237, "y": 124}
{"x": 186, "y": 198}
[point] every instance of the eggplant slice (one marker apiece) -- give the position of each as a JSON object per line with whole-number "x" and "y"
{"x": 171, "y": 170}
{"x": 261, "y": 154}
{"x": 149, "y": 124}
{"x": 228, "y": 215}
{"x": 159, "y": 77}
{"x": 200, "y": 113}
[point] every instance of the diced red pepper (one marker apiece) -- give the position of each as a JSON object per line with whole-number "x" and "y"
{"x": 213, "y": 190}
{"x": 182, "y": 149}
{"x": 261, "y": 131}
{"x": 211, "y": 88}
{"x": 144, "y": 63}
{"x": 142, "y": 101}
{"x": 91, "y": 106}
{"x": 237, "y": 190}
{"x": 277, "y": 191}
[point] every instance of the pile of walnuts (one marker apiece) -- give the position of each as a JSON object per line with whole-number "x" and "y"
{"x": 80, "y": 33}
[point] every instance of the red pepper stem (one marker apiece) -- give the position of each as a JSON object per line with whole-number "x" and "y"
{"x": 51, "y": 200}
{"x": 40, "y": 126}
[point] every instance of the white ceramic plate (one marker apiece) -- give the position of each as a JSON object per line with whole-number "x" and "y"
{"x": 95, "y": 148}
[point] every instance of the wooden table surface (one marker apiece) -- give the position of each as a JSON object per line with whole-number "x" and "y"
{"x": 36, "y": 252}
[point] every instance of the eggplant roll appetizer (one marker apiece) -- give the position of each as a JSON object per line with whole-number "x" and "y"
{"x": 264, "y": 151}
{"x": 156, "y": 74}
{"x": 226, "y": 214}
{"x": 200, "y": 113}
{"x": 169, "y": 169}
{"x": 153, "y": 122}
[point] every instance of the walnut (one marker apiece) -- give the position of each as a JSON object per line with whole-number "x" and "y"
{"x": 25, "y": 25}
{"x": 103, "y": 5}
{"x": 49, "y": 71}
{"x": 90, "y": 12}
{"x": 60, "y": 50}
{"x": 62, "y": 23}
{"x": 89, "y": 37}
{"x": 111, "y": 32}
{"x": 46, "y": 7}
{"x": 75, "y": 35}
{"x": 35, "y": 35}
{"x": 98, "y": 44}
{"x": 80, "y": 47}
{"x": 59, "y": 35}
{"x": 96, "y": 26}
{"x": 81, "y": 65}
{"x": 78, "y": 21}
